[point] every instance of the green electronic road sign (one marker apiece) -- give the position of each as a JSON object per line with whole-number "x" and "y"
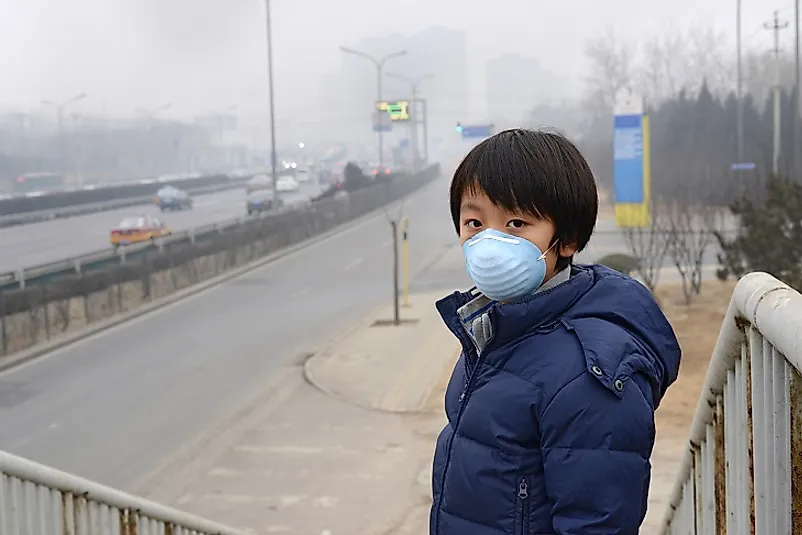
{"x": 398, "y": 110}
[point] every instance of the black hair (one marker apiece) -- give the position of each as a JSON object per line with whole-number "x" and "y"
{"x": 537, "y": 172}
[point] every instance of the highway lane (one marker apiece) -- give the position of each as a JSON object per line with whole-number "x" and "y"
{"x": 117, "y": 405}
{"x": 39, "y": 243}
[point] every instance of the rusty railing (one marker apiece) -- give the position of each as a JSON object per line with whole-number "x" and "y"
{"x": 38, "y": 500}
{"x": 742, "y": 472}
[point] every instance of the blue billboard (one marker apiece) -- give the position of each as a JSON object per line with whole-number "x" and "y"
{"x": 628, "y": 165}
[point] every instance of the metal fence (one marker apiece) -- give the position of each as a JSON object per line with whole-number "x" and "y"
{"x": 38, "y": 500}
{"x": 742, "y": 473}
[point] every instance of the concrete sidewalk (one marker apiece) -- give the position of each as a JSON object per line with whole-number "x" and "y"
{"x": 343, "y": 445}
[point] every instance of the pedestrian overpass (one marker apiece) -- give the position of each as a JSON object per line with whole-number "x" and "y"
{"x": 741, "y": 474}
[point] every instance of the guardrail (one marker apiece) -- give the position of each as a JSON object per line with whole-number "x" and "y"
{"x": 742, "y": 472}
{"x": 104, "y": 257}
{"x": 88, "y": 208}
{"x": 39, "y": 500}
{"x": 64, "y": 199}
{"x": 98, "y": 259}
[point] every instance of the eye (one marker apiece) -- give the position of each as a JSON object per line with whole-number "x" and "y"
{"x": 516, "y": 223}
{"x": 473, "y": 223}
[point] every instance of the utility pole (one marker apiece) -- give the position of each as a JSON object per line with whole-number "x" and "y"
{"x": 425, "y": 132}
{"x": 273, "y": 157}
{"x": 414, "y": 129}
{"x": 739, "y": 85}
{"x": 775, "y": 26}
{"x": 797, "y": 88}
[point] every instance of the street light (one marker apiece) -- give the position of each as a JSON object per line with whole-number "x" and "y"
{"x": 379, "y": 64}
{"x": 414, "y": 82}
{"x": 151, "y": 115}
{"x": 60, "y": 106}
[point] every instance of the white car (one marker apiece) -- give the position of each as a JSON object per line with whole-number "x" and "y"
{"x": 302, "y": 175}
{"x": 287, "y": 184}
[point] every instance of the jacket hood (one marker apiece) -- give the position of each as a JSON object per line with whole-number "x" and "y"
{"x": 592, "y": 293}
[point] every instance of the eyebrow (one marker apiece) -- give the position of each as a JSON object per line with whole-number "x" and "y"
{"x": 470, "y": 206}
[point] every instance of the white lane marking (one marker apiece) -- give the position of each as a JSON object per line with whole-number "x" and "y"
{"x": 302, "y": 291}
{"x": 355, "y": 263}
{"x": 297, "y": 251}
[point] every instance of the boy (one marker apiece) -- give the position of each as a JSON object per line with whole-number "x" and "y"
{"x": 551, "y": 405}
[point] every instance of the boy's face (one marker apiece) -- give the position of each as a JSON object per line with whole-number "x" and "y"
{"x": 478, "y": 213}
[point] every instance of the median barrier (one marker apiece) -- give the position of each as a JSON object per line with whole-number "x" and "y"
{"x": 71, "y": 300}
{"x": 24, "y": 218}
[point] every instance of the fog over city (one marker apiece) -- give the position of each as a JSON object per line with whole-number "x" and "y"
{"x": 231, "y": 286}
{"x": 207, "y": 54}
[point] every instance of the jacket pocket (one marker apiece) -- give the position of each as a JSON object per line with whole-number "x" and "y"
{"x": 522, "y": 499}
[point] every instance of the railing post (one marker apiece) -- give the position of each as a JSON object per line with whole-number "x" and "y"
{"x": 720, "y": 469}
{"x": 795, "y": 406}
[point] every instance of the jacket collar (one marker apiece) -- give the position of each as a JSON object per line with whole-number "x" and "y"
{"x": 514, "y": 319}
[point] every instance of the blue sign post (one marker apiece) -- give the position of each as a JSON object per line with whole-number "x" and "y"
{"x": 631, "y": 165}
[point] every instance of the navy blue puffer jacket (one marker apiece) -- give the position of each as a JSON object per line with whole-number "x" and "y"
{"x": 551, "y": 409}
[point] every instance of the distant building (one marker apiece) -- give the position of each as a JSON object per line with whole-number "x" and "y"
{"x": 515, "y": 85}
{"x": 349, "y": 94}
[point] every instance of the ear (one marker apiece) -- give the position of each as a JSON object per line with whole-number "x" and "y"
{"x": 566, "y": 251}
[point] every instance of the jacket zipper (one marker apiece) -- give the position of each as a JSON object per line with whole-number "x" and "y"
{"x": 468, "y": 383}
{"x": 523, "y": 499}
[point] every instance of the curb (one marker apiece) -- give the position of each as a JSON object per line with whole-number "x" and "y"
{"x": 38, "y": 350}
{"x": 385, "y": 403}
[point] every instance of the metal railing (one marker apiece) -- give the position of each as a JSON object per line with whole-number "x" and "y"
{"x": 38, "y": 500}
{"x": 742, "y": 472}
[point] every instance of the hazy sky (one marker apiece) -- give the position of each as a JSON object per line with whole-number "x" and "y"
{"x": 203, "y": 55}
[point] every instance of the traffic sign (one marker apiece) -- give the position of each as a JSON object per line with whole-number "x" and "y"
{"x": 484, "y": 130}
{"x": 744, "y": 166}
{"x": 397, "y": 110}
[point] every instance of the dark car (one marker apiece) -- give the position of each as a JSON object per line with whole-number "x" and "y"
{"x": 172, "y": 198}
{"x": 263, "y": 200}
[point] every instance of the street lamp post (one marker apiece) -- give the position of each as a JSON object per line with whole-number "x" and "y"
{"x": 273, "y": 161}
{"x": 219, "y": 117}
{"x": 414, "y": 82}
{"x": 151, "y": 116}
{"x": 60, "y": 106}
{"x": 379, "y": 64}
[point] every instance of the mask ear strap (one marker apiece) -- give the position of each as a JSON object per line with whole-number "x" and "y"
{"x": 549, "y": 249}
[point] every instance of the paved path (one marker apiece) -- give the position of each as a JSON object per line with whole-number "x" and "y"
{"x": 355, "y": 461}
{"x": 348, "y": 449}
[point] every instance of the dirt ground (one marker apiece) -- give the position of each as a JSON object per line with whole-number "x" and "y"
{"x": 697, "y": 328}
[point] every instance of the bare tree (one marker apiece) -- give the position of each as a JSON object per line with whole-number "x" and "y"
{"x": 683, "y": 60}
{"x": 663, "y": 65}
{"x": 611, "y": 70}
{"x": 691, "y": 224}
{"x": 648, "y": 245}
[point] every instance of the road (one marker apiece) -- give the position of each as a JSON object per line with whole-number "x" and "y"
{"x": 116, "y": 406}
{"x": 39, "y": 243}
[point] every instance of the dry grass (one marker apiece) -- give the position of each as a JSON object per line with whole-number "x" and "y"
{"x": 697, "y": 328}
